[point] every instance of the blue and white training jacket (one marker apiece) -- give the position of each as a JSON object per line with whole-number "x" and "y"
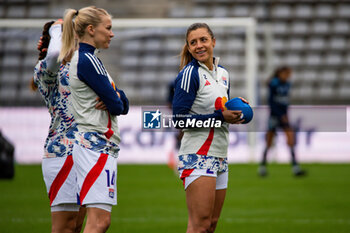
{"x": 52, "y": 81}
{"x": 200, "y": 94}
{"x": 97, "y": 130}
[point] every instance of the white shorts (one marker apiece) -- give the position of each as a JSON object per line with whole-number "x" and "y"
{"x": 96, "y": 175}
{"x": 193, "y": 166}
{"x": 60, "y": 180}
{"x": 190, "y": 175}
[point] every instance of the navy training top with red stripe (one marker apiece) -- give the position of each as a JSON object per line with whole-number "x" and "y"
{"x": 98, "y": 130}
{"x": 200, "y": 95}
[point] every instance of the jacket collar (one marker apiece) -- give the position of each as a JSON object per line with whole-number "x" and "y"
{"x": 84, "y": 47}
{"x": 216, "y": 64}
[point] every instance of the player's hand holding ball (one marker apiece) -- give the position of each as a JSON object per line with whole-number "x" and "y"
{"x": 240, "y": 104}
{"x": 232, "y": 117}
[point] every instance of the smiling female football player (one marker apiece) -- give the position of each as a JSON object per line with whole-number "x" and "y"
{"x": 201, "y": 90}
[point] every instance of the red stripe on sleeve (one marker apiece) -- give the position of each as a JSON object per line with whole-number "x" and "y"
{"x": 60, "y": 178}
{"x": 92, "y": 176}
{"x": 206, "y": 145}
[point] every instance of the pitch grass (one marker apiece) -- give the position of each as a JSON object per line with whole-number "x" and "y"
{"x": 151, "y": 199}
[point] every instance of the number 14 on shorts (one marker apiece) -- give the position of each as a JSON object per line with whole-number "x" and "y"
{"x": 110, "y": 183}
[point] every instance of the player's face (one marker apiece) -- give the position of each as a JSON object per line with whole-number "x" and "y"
{"x": 103, "y": 33}
{"x": 285, "y": 75}
{"x": 201, "y": 46}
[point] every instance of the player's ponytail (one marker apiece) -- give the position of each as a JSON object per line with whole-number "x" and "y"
{"x": 75, "y": 23}
{"x": 45, "y": 40}
{"x": 68, "y": 42}
{"x": 42, "y": 47}
{"x": 186, "y": 56}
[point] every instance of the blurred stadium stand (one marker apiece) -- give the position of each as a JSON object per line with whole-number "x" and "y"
{"x": 311, "y": 36}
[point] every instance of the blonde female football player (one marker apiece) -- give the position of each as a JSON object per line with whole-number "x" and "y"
{"x": 96, "y": 149}
{"x": 201, "y": 89}
{"x": 52, "y": 81}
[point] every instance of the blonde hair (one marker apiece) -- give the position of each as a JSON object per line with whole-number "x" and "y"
{"x": 75, "y": 22}
{"x": 185, "y": 55}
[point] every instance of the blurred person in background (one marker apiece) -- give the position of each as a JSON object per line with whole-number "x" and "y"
{"x": 7, "y": 158}
{"x": 278, "y": 101}
{"x": 52, "y": 80}
{"x": 96, "y": 150}
{"x": 201, "y": 90}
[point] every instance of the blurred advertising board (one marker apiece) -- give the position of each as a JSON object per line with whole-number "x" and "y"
{"x": 322, "y": 135}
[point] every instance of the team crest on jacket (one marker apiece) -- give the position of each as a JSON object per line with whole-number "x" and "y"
{"x": 224, "y": 80}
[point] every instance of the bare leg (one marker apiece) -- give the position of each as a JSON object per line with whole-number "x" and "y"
{"x": 200, "y": 198}
{"x": 290, "y": 141}
{"x": 80, "y": 219}
{"x": 290, "y": 136}
{"x": 269, "y": 139}
{"x": 98, "y": 220}
{"x": 63, "y": 221}
{"x": 297, "y": 171}
{"x": 219, "y": 202}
